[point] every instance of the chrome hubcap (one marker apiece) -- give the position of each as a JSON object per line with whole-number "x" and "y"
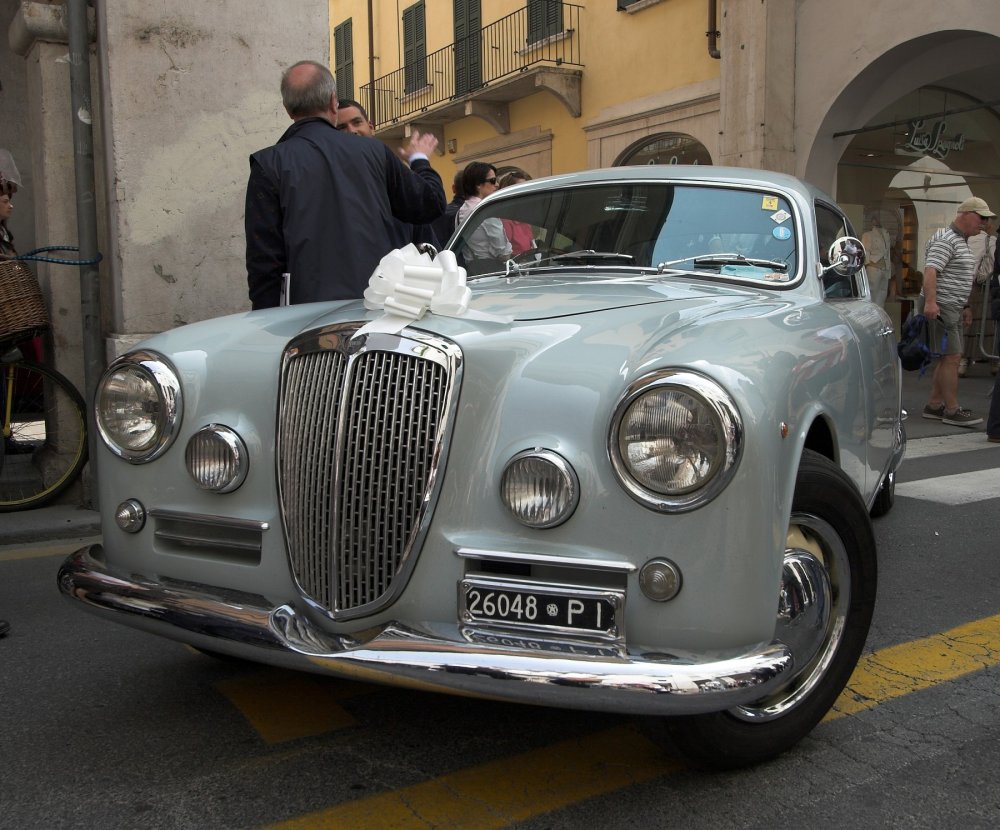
{"x": 812, "y": 609}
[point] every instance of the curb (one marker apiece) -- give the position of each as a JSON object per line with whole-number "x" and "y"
{"x": 55, "y": 522}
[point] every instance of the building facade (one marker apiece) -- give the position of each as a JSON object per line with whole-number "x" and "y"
{"x": 893, "y": 107}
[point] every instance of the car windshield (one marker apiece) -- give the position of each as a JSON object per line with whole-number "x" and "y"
{"x": 721, "y": 232}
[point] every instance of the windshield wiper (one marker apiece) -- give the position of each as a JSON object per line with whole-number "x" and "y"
{"x": 589, "y": 257}
{"x": 521, "y": 264}
{"x": 725, "y": 259}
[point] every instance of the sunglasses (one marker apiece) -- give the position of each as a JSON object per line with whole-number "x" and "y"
{"x": 491, "y": 180}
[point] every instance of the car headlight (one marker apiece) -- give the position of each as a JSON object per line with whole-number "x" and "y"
{"x": 138, "y": 406}
{"x": 540, "y": 488}
{"x": 675, "y": 440}
{"x": 217, "y": 459}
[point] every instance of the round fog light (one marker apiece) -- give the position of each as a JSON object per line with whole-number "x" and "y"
{"x": 217, "y": 459}
{"x": 130, "y": 516}
{"x": 660, "y": 580}
{"x": 540, "y": 488}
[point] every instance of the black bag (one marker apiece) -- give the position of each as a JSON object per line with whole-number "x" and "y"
{"x": 914, "y": 347}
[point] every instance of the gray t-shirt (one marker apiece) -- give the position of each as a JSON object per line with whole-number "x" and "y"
{"x": 948, "y": 253}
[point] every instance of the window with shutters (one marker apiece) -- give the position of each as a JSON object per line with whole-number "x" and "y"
{"x": 343, "y": 59}
{"x": 414, "y": 48}
{"x": 468, "y": 17}
{"x": 545, "y": 19}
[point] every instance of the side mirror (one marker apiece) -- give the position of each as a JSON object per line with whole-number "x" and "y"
{"x": 847, "y": 256}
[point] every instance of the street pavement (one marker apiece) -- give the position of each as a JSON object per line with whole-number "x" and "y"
{"x": 70, "y": 521}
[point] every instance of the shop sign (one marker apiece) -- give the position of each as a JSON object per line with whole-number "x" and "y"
{"x": 931, "y": 141}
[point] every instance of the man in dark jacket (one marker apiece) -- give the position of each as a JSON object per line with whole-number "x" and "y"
{"x": 320, "y": 204}
{"x": 444, "y": 227}
{"x": 993, "y": 420}
{"x": 353, "y": 118}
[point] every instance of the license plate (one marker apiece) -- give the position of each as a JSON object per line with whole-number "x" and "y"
{"x": 540, "y": 607}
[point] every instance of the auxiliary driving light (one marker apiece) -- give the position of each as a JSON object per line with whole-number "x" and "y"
{"x": 217, "y": 459}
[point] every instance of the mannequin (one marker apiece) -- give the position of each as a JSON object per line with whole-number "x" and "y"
{"x": 878, "y": 263}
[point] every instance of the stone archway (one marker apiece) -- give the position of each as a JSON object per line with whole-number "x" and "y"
{"x": 835, "y": 100}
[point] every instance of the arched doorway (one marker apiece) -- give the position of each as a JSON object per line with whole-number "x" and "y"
{"x": 665, "y": 148}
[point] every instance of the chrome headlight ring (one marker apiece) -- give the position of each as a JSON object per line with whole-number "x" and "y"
{"x": 675, "y": 440}
{"x": 217, "y": 459}
{"x": 138, "y": 406}
{"x": 540, "y": 488}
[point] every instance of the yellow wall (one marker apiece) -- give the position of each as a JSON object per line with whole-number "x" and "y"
{"x": 626, "y": 57}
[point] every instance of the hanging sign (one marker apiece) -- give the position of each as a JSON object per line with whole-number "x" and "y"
{"x": 931, "y": 141}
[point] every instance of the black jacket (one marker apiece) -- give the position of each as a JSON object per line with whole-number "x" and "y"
{"x": 322, "y": 206}
{"x": 444, "y": 226}
{"x": 995, "y": 284}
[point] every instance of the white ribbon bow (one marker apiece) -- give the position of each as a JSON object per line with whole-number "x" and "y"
{"x": 407, "y": 284}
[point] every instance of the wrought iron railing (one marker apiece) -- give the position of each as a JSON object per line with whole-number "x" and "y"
{"x": 545, "y": 33}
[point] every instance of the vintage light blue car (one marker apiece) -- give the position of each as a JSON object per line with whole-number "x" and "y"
{"x": 630, "y": 468}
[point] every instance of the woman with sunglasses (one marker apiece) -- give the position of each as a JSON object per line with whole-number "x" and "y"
{"x": 488, "y": 247}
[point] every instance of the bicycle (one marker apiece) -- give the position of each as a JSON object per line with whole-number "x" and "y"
{"x": 42, "y": 415}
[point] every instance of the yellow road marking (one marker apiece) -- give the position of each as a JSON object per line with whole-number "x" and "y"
{"x": 498, "y": 793}
{"x": 494, "y": 794}
{"x": 910, "y": 667}
{"x": 285, "y": 706}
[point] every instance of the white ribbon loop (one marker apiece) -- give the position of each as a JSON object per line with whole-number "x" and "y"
{"x": 407, "y": 284}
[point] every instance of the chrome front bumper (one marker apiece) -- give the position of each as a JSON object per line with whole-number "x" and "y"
{"x": 440, "y": 658}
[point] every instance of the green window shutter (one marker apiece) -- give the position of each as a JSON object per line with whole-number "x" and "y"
{"x": 414, "y": 48}
{"x": 545, "y": 18}
{"x": 343, "y": 59}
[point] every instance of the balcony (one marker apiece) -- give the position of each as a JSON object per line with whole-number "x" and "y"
{"x": 479, "y": 75}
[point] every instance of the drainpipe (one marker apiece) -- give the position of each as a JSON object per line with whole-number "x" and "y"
{"x": 86, "y": 213}
{"x": 372, "y": 115}
{"x": 713, "y": 32}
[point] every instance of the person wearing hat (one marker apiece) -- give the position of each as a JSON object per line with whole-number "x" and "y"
{"x": 949, "y": 267}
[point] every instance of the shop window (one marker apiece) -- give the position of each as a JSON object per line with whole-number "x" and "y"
{"x": 414, "y": 48}
{"x": 343, "y": 59}
{"x": 665, "y": 148}
{"x": 545, "y": 19}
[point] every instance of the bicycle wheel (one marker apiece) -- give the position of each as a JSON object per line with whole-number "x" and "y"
{"x": 44, "y": 434}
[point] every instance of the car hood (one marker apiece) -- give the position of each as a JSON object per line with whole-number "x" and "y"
{"x": 532, "y": 298}
{"x": 494, "y": 301}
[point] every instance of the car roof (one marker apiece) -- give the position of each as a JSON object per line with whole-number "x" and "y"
{"x": 695, "y": 173}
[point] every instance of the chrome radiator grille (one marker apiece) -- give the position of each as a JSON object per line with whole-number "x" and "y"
{"x": 361, "y": 431}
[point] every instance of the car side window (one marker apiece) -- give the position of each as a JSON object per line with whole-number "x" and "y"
{"x": 830, "y": 226}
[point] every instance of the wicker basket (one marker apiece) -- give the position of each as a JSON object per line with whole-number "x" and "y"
{"x": 22, "y": 307}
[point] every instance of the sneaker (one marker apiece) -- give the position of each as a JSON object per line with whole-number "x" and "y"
{"x": 936, "y": 412}
{"x": 993, "y": 439}
{"x": 961, "y": 418}
{"x": 963, "y": 367}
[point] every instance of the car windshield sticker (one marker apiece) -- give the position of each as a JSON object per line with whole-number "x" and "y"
{"x": 781, "y": 216}
{"x": 781, "y": 232}
{"x": 769, "y": 203}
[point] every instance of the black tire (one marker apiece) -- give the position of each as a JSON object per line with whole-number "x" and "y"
{"x": 886, "y": 497}
{"x": 45, "y": 439}
{"x": 836, "y": 530}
